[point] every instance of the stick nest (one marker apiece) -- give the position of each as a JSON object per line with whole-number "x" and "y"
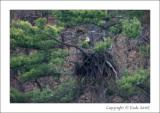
{"x": 95, "y": 66}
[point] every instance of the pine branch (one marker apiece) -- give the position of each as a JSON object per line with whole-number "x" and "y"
{"x": 70, "y": 45}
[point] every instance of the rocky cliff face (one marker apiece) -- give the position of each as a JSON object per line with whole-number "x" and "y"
{"x": 126, "y": 52}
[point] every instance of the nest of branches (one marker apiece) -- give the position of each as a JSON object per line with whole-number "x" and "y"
{"x": 96, "y": 66}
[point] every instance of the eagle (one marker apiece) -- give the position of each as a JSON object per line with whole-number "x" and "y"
{"x": 87, "y": 39}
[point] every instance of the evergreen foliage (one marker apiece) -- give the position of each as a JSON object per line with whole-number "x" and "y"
{"x": 23, "y": 34}
{"x": 130, "y": 81}
{"x": 145, "y": 50}
{"x": 17, "y": 96}
{"x": 131, "y": 28}
{"x": 41, "y": 22}
{"x": 115, "y": 30}
{"x": 103, "y": 45}
{"x": 85, "y": 44}
{"x": 35, "y": 71}
{"x": 64, "y": 92}
{"x": 77, "y": 17}
{"x": 21, "y": 60}
{"x": 46, "y": 59}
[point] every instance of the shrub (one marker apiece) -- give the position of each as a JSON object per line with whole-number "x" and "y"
{"x": 144, "y": 50}
{"x": 40, "y": 22}
{"x": 103, "y": 45}
{"x": 131, "y": 27}
{"x": 40, "y": 96}
{"x": 130, "y": 81}
{"x": 56, "y": 66}
{"x": 60, "y": 53}
{"x": 23, "y": 25}
{"x": 22, "y": 60}
{"x": 65, "y": 92}
{"x": 85, "y": 44}
{"x": 76, "y": 17}
{"x": 17, "y": 96}
{"x": 53, "y": 30}
{"x": 116, "y": 29}
{"x": 23, "y": 34}
{"x": 35, "y": 72}
{"x": 45, "y": 60}
{"x": 47, "y": 44}
{"x": 34, "y": 66}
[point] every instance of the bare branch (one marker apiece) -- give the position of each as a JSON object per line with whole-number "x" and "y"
{"x": 70, "y": 45}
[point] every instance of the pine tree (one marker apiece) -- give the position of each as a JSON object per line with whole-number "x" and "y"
{"x": 34, "y": 51}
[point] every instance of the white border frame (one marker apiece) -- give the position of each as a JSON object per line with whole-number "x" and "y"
{"x": 153, "y": 6}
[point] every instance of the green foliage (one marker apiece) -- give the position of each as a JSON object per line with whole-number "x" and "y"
{"x": 23, "y": 34}
{"x": 56, "y": 66}
{"x": 129, "y": 81}
{"x": 57, "y": 60}
{"x": 47, "y": 44}
{"x": 40, "y": 96}
{"x": 136, "y": 13}
{"x": 144, "y": 50}
{"x": 131, "y": 27}
{"x": 85, "y": 44}
{"x": 77, "y": 17}
{"x": 116, "y": 29}
{"x": 33, "y": 67}
{"x": 53, "y": 30}
{"x": 60, "y": 53}
{"x": 103, "y": 45}
{"x": 41, "y": 22}
{"x": 45, "y": 60}
{"x": 17, "y": 96}
{"x": 21, "y": 25}
{"x": 65, "y": 92}
{"x": 35, "y": 72}
{"x": 22, "y": 60}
